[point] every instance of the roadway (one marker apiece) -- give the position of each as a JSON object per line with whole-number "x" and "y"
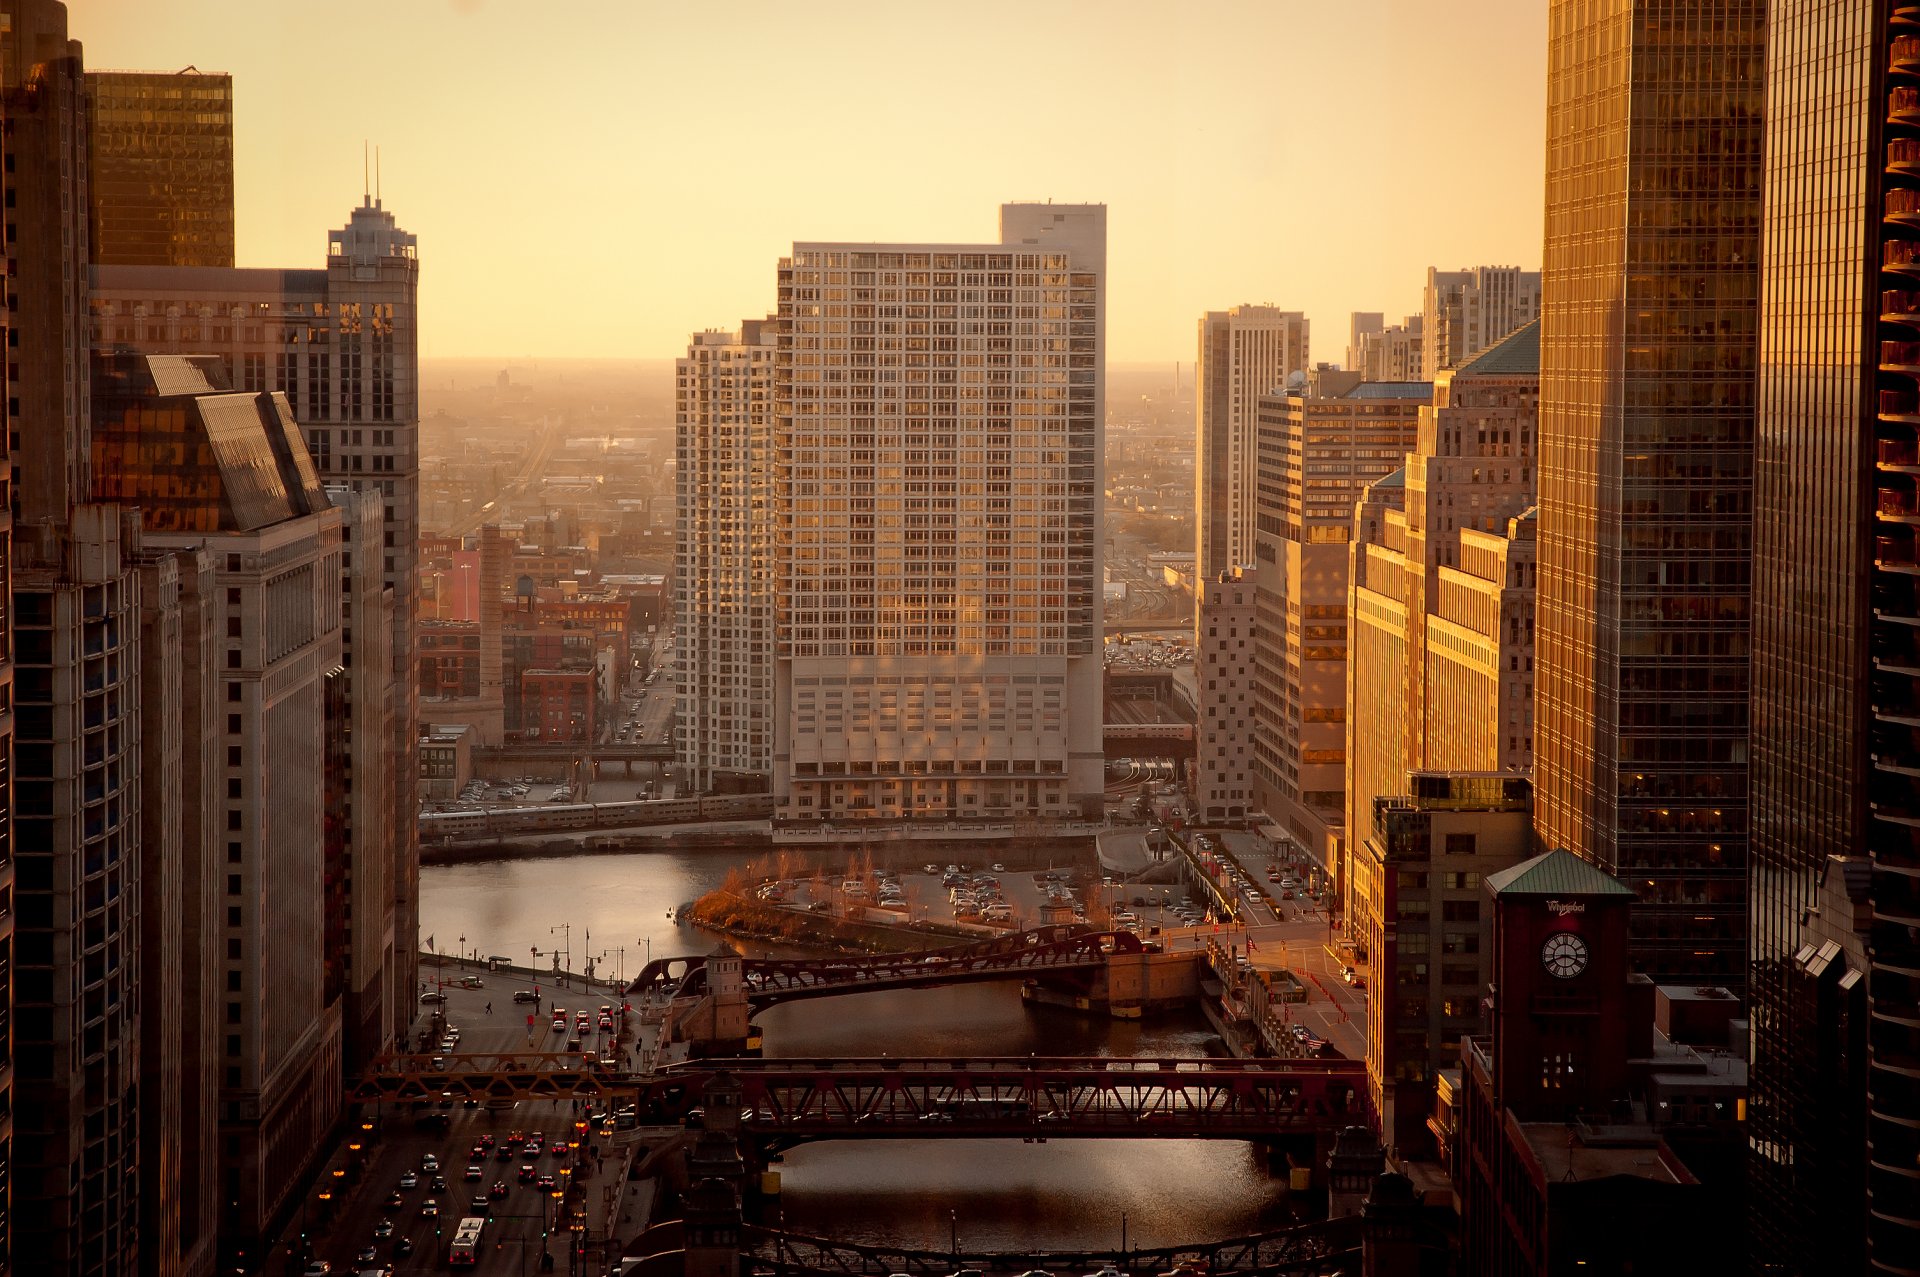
{"x": 339, "y": 1228}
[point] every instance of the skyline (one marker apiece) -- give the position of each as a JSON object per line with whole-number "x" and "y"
{"x": 1214, "y": 92}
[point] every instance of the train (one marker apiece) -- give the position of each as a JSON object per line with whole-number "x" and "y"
{"x": 500, "y": 822}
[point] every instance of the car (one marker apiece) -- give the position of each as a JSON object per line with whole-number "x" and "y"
{"x": 383, "y": 1229}
{"x": 547, "y": 1182}
{"x": 486, "y": 1141}
{"x": 439, "y": 1184}
{"x": 475, "y": 1171}
{"x": 525, "y": 995}
{"x": 999, "y": 868}
{"x": 430, "y": 1208}
{"x": 480, "y": 1204}
{"x": 529, "y": 1172}
{"x": 409, "y": 1180}
{"x": 432, "y": 997}
{"x": 559, "y": 1149}
{"x": 518, "y": 1137}
{"x": 367, "y": 1255}
{"x": 395, "y": 1201}
{"x": 503, "y": 1154}
{"x": 430, "y": 1163}
{"x": 402, "y": 1247}
{"x": 498, "y": 1191}
{"x": 318, "y": 1268}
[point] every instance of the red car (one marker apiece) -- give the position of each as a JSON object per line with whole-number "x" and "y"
{"x": 498, "y": 1191}
{"x": 528, "y": 1173}
{"x": 486, "y": 1141}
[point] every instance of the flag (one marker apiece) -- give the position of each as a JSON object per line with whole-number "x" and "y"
{"x": 429, "y": 942}
{"x": 1251, "y": 946}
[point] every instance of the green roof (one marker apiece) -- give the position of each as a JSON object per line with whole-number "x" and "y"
{"x": 1516, "y": 355}
{"x": 1558, "y": 873}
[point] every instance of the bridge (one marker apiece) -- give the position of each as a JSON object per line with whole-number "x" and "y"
{"x": 1327, "y": 1247}
{"x": 551, "y": 751}
{"x": 769, "y": 981}
{"x": 785, "y": 1102}
{"x": 1153, "y": 625}
{"x": 1148, "y": 740}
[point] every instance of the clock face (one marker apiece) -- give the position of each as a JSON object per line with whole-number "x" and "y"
{"x": 1564, "y": 955}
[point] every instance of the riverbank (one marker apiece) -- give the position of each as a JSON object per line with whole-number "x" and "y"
{"x": 725, "y": 913}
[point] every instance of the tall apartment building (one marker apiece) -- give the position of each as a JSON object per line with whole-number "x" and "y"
{"x": 723, "y": 621}
{"x": 1319, "y": 447}
{"x": 227, "y": 472}
{"x": 1646, "y": 464}
{"x": 161, "y": 160}
{"x": 1223, "y": 675}
{"x": 1393, "y": 353}
{"x": 1465, "y": 311}
{"x": 1835, "y": 842}
{"x": 937, "y": 472}
{"x": 1440, "y": 675}
{"x": 341, "y": 343}
{"x": 1245, "y": 352}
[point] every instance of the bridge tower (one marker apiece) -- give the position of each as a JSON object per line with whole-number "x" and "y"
{"x": 1352, "y": 1167}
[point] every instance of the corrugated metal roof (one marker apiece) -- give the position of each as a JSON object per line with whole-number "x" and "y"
{"x": 1391, "y": 390}
{"x": 1516, "y": 355}
{"x": 1557, "y": 873}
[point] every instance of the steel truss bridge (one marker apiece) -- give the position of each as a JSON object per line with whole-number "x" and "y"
{"x": 1310, "y": 1250}
{"x": 768, "y": 981}
{"x": 788, "y": 1102}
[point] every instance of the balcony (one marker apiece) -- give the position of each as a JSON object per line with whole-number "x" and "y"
{"x": 1898, "y": 454}
{"x": 1904, "y": 55}
{"x": 1897, "y": 505}
{"x": 1903, "y": 156}
{"x": 1899, "y": 405}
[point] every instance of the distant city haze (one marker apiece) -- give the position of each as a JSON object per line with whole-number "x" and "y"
{"x": 601, "y": 179}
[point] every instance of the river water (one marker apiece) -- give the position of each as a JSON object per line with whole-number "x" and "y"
{"x": 1000, "y": 1194}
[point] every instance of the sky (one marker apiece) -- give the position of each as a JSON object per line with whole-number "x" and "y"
{"x": 599, "y": 178}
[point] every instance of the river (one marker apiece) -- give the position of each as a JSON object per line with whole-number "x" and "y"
{"x": 1065, "y": 1194}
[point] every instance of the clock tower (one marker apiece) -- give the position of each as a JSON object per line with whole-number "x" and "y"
{"x": 1558, "y": 1001}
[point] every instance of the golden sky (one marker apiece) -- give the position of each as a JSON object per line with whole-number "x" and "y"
{"x": 601, "y": 177}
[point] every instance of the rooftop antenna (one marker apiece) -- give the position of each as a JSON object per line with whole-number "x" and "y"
{"x": 364, "y": 183}
{"x": 376, "y": 177}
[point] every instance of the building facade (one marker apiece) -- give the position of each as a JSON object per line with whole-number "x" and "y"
{"x": 1223, "y": 678}
{"x": 1392, "y": 353}
{"x": 1319, "y": 448}
{"x": 1465, "y": 311}
{"x": 937, "y": 569}
{"x": 723, "y": 626}
{"x": 1646, "y": 464}
{"x": 161, "y": 160}
{"x": 341, "y": 343}
{"x": 1834, "y": 854}
{"x": 1245, "y": 352}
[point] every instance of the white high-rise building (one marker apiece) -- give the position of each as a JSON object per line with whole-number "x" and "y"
{"x": 1463, "y": 312}
{"x": 1245, "y": 352}
{"x": 723, "y": 630}
{"x": 937, "y": 478}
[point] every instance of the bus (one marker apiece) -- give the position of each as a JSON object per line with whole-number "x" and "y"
{"x": 465, "y": 1251}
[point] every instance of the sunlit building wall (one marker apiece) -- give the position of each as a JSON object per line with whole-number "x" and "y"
{"x": 723, "y": 595}
{"x": 161, "y": 161}
{"x": 1319, "y": 448}
{"x": 1223, "y": 675}
{"x": 937, "y": 552}
{"x": 1393, "y": 353}
{"x": 1245, "y": 352}
{"x": 1465, "y": 311}
{"x": 1646, "y": 463}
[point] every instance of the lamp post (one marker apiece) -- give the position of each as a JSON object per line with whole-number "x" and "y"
{"x": 565, "y": 931}
{"x": 461, "y": 956}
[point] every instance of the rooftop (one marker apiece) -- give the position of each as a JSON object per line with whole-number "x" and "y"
{"x": 1516, "y": 355}
{"x": 1571, "y": 1153}
{"x": 1557, "y": 873}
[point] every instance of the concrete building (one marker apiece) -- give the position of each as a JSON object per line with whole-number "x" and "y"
{"x": 1320, "y": 445}
{"x": 723, "y": 629}
{"x": 1245, "y": 352}
{"x": 1441, "y": 625}
{"x": 228, "y": 473}
{"x": 1223, "y": 671}
{"x": 1361, "y": 324}
{"x": 1419, "y": 915}
{"x": 1395, "y": 353}
{"x": 1465, "y": 311}
{"x": 161, "y": 160}
{"x": 1646, "y": 467}
{"x": 340, "y": 341}
{"x": 446, "y": 761}
{"x": 1833, "y": 868}
{"x": 937, "y": 440}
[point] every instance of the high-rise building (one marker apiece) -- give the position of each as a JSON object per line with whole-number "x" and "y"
{"x": 1646, "y": 464}
{"x": 1223, "y": 676}
{"x": 723, "y": 617}
{"x": 1834, "y": 854}
{"x": 1319, "y": 446}
{"x": 1361, "y": 324}
{"x": 1245, "y": 352}
{"x": 341, "y": 343}
{"x": 1394, "y": 353}
{"x": 1465, "y": 311}
{"x": 228, "y": 472}
{"x": 161, "y": 160}
{"x": 937, "y": 551}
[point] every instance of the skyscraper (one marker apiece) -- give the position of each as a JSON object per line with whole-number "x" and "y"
{"x": 1465, "y": 311}
{"x": 1245, "y": 352}
{"x": 1646, "y": 463}
{"x": 937, "y": 552}
{"x": 723, "y": 603}
{"x": 1224, "y": 651}
{"x": 161, "y": 161}
{"x": 1394, "y": 353}
{"x": 1361, "y": 324}
{"x": 1836, "y": 641}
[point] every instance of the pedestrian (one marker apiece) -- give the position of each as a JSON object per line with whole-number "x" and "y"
{"x": 489, "y": 1008}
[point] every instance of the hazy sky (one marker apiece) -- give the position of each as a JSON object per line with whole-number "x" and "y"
{"x": 601, "y": 177}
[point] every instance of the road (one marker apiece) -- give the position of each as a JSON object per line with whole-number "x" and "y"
{"x": 520, "y": 1223}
